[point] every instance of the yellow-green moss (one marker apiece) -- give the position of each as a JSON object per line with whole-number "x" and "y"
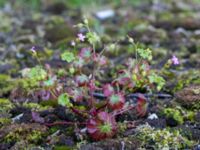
{"x": 31, "y": 133}
{"x": 4, "y": 121}
{"x": 179, "y": 114}
{"x": 6, "y": 84}
{"x": 36, "y": 106}
{"x": 5, "y": 104}
{"x": 162, "y": 138}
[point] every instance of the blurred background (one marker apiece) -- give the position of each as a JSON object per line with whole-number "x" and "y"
{"x": 166, "y": 26}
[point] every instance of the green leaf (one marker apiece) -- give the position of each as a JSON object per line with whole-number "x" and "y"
{"x": 64, "y": 100}
{"x": 158, "y": 80}
{"x": 92, "y": 37}
{"x": 50, "y": 81}
{"x": 145, "y": 53}
{"x": 37, "y": 73}
{"x": 68, "y": 56}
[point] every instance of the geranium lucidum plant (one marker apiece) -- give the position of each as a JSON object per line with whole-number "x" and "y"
{"x": 99, "y": 115}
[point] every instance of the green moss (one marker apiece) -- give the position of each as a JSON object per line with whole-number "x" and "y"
{"x": 33, "y": 136}
{"x": 179, "y": 114}
{"x": 36, "y": 106}
{"x": 162, "y": 138}
{"x": 4, "y": 121}
{"x": 6, "y": 84}
{"x": 32, "y": 133}
{"x": 5, "y": 104}
{"x": 63, "y": 148}
{"x": 175, "y": 114}
{"x": 187, "y": 78}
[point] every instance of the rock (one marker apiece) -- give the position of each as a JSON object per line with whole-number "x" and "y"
{"x": 56, "y": 8}
{"x": 59, "y": 32}
{"x": 192, "y": 131}
{"x": 19, "y": 132}
{"x": 197, "y": 117}
{"x": 113, "y": 144}
{"x": 189, "y": 96}
{"x": 105, "y": 14}
{"x": 5, "y": 68}
{"x": 153, "y": 116}
{"x": 157, "y": 123}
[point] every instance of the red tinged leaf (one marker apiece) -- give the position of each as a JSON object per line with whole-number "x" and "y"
{"x": 142, "y": 106}
{"x": 100, "y": 60}
{"x": 79, "y": 63}
{"x": 102, "y": 126}
{"x": 85, "y": 53}
{"x": 108, "y": 90}
{"x": 77, "y": 94}
{"x": 92, "y": 86}
{"x": 123, "y": 79}
{"x": 82, "y": 80}
{"x": 116, "y": 101}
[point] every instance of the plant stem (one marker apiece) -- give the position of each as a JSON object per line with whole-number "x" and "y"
{"x": 78, "y": 112}
{"x": 64, "y": 123}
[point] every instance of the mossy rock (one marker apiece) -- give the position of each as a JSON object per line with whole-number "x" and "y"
{"x": 5, "y": 104}
{"x": 113, "y": 144}
{"x": 59, "y": 32}
{"x": 186, "y": 78}
{"x": 32, "y": 133}
{"x": 189, "y": 97}
{"x": 6, "y": 84}
{"x": 35, "y": 106}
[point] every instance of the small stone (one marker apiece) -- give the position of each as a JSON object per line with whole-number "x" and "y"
{"x": 189, "y": 96}
{"x": 153, "y": 116}
{"x": 105, "y": 14}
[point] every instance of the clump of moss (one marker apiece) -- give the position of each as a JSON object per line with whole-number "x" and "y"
{"x": 6, "y": 84}
{"x": 174, "y": 114}
{"x": 179, "y": 114}
{"x": 32, "y": 133}
{"x": 162, "y": 138}
{"x": 5, "y": 104}
{"x": 190, "y": 77}
{"x": 4, "y": 121}
{"x": 36, "y": 106}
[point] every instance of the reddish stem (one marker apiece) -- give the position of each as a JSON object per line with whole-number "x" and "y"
{"x": 124, "y": 110}
{"x": 77, "y": 112}
{"x": 103, "y": 106}
{"x": 64, "y": 123}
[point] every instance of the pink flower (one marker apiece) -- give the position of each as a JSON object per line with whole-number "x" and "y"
{"x": 175, "y": 60}
{"x": 33, "y": 49}
{"x": 81, "y": 37}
